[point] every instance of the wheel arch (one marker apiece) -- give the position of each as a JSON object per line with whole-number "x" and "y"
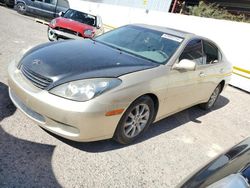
{"x": 117, "y": 133}
{"x": 155, "y": 100}
{"x": 20, "y": 1}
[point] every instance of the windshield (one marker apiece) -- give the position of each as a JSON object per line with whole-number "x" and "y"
{"x": 146, "y": 43}
{"x": 80, "y": 17}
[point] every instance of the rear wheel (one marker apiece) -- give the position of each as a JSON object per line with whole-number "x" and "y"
{"x": 212, "y": 99}
{"x": 135, "y": 120}
{"x": 21, "y": 8}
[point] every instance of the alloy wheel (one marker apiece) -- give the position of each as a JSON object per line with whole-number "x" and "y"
{"x": 21, "y": 7}
{"x": 51, "y": 34}
{"x": 213, "y": 97}
{"x": 136, "y": 120}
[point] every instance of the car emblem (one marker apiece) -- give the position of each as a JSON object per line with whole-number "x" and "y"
{"x": 36, "y": 62}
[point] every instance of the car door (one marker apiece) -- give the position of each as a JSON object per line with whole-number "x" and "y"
{"x": 35, "y": 7}
{"x": 184, "y": 87}
{"x": 211, "y": 71}
{"x": 61, "y": 6}
{"x": 49, "y": 8}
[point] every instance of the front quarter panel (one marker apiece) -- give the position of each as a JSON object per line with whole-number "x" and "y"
{"x": 137, "y": 84}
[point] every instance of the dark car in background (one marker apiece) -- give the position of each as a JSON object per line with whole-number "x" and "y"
{"x": 75, "y": 24}
{"x": 42, "y": 8}
{"x": 229, "y": 170}
{"x": 9, "y": 3}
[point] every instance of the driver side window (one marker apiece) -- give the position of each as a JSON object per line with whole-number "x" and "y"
{"x": 193, "y": 51}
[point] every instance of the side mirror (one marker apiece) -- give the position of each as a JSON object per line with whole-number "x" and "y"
{"x": 185, "y": 64}
{"x": 61, "y": 14}
{"x": 99, "y": 22}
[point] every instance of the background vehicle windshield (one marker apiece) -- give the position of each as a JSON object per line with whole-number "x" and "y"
{"x": 80, "y": 17}
{"x": 149, "y": 44}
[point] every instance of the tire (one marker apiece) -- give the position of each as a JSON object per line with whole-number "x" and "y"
{"x": 21, "y": 8}
{"x": 135, "y": 120}
{"x": 51, "y": 36}
{"x": 213, "y": 98}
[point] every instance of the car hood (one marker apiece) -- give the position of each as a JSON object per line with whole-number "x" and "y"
{"x": 72, "y": 25}
{"x": 81, "y": 59}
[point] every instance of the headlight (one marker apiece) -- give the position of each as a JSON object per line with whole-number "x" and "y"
{"x": 83, "y": 90}
{"x": 53, "y": 22}
{"x": 88, "y": 33}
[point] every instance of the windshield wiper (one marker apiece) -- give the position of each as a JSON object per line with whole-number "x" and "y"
{"x": 111, "y": 46}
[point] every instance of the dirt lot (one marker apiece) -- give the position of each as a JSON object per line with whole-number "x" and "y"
{"x": 170, "y": 150}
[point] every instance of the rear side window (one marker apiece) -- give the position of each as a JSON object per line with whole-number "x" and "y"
{"x": 63, "y": 3}
{"x": 211, "y": 52}
{"x": 53, "y": 2}
{"x": 193, "y": 51}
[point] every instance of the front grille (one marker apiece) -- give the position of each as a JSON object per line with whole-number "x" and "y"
{"x": 36, "y": 79}
{"x": 68, "y": 31}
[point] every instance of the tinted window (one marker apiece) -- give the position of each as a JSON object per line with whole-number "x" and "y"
{"x": 53, "y": 2}
{"x": 193, "y": 51}
{"x": 63, "y": 3}
{"x": 211, "y": 52}
{"x": 147, "y": 43}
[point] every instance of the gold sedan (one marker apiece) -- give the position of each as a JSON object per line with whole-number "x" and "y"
{"x": 116, "y": 85}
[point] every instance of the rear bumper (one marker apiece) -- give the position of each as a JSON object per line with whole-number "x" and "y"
{"x": 78, "y": 121}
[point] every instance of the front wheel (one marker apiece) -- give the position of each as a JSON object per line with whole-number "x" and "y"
{"x": 51, "y": 34}
{"x": 212, "y": 99}
{"x": 135, "y": 120}
{"x": 21, "y": 8}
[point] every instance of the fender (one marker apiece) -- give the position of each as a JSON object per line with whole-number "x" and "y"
{"x": 20, "y": 1}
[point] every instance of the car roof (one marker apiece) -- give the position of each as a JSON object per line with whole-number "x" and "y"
{"x": 175, "y": 32}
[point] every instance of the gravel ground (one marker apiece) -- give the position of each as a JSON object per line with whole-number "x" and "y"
{"x": 171, "y": 149}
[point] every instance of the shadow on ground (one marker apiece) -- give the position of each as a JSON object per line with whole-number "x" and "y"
{"x": 163, "y": 126}
{"x": 22, "y": 163}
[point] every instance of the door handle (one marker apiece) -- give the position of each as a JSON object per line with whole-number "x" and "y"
{"x": 202, "y": 74}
